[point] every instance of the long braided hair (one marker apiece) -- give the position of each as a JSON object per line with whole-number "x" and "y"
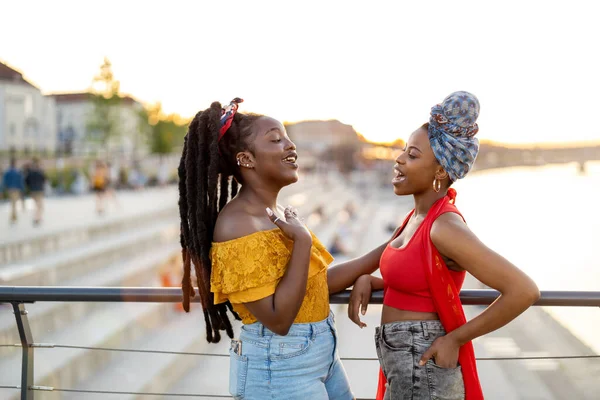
{"x": 208, "y": 178}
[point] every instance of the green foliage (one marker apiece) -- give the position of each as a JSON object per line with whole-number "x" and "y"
{"x": 103, "y": 123}
{"x": 166, "y": 132}
{"x": 163, "y": 132}
{"x": 66, "y": 175}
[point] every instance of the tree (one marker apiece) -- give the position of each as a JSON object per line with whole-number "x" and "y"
{"x": 104, "y": 121}
{"x": 166, "y": 131}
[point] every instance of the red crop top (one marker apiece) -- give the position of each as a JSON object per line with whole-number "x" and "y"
{"x": 403, "y": 273}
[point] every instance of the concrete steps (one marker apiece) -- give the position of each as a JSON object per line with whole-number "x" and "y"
{"x": 182, "y": 333}
{"x": 137, "y": 271}
{"x": 114, "y": 325}
{"x": 54, "y": 269}
{"x": 28, "y": 249}
{"x": 209, "y": 376}
{"x": 124, "y": 250}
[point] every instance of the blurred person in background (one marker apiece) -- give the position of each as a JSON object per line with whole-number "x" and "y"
{"x": 12, "y": 182}
{"x": 80, "y": 183}
{"x": 137, "y": 179}
{"x": 36, "y": 183}
{"x": 170, "y": 275}
{"x": 112, "y": 181}
{"x": 338, "y": 247}
{"x": 100, "y": 185}
{"x": 113, "y": 174}
{"x": 162, "y": 175}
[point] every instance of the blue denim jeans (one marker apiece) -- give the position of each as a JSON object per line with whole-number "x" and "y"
{"x": 400, "y": 346}
{"x": 302, "y": 365}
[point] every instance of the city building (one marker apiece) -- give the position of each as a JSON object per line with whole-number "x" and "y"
{"x": 74, "y": 112}
{"x": 27, "y": 117}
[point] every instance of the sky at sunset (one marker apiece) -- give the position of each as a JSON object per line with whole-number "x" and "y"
{"x": 376, "y": 65}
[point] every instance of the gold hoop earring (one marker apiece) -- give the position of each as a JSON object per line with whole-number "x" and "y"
{"x": 437, "y": 185}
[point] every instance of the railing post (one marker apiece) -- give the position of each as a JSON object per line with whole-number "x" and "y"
{"x": 26, "y": 342}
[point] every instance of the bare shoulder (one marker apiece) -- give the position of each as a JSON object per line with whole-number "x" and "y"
{"x": 449, "y": 227}
{"x": 234, "y": 222}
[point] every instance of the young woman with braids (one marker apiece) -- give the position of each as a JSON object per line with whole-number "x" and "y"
{"x": 424, "y": 341}
{"x": 256, "y": 259}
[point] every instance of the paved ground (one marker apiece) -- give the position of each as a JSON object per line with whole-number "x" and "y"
{"x": 74, "y": 211}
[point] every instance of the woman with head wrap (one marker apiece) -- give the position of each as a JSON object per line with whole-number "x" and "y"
{"x": 424, "y": 341}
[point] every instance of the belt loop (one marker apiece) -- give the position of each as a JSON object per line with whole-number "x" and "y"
{"x": 261, "y": 329}
{"x": 313, "y": 332}
{"x": 425, "y": 331}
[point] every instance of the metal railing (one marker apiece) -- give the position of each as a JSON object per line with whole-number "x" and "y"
{"x": 18, "y": 296}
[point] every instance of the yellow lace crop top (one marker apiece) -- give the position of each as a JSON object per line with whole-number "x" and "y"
{"x": 249, "y": 268}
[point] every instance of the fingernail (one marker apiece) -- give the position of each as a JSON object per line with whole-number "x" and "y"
{"x": 269, "y": 211}
{"x": 421, "y": 363}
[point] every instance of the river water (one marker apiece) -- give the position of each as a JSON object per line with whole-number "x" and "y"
{"x": 545, "y": 220}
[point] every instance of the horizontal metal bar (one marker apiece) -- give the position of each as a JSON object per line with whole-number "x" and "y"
{"x": 28, "y": 294}
{"x": 53, "y": 389}
{"x": 42, "y": 388}
{"x": 488, "y": 296}
{"x": 582, "y": 357}
{"x": 62, "y": 346}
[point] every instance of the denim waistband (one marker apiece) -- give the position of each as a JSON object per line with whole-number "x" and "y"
{"x": 308, "y": 329}
{"x": 411, "y": 326}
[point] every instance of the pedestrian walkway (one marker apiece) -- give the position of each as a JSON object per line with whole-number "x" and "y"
{"x": 70, "y": 212}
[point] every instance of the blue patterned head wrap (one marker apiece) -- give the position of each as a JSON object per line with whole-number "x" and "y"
{"x": 452, "y": 130}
